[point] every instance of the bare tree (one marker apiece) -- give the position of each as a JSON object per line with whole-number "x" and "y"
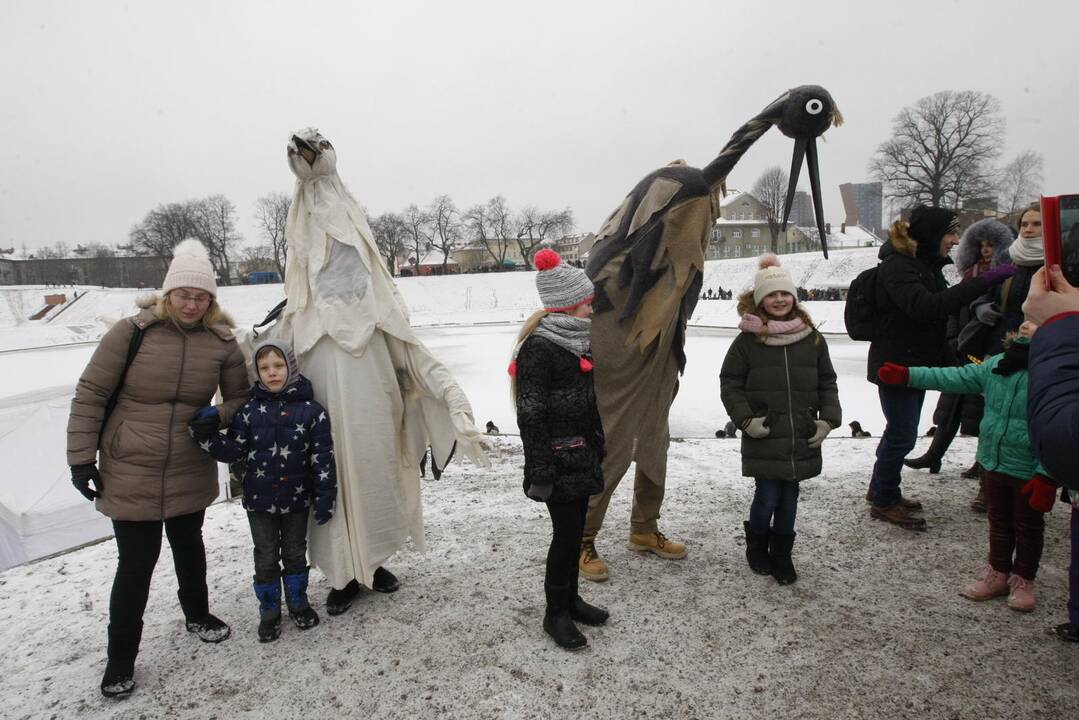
{"x": 391, "y": 237}
{"x": 492, "y": 226}
{"x": 1021, "y": 181}
{"x": 942, "y": 149}
{"x": 162, "y": 229}
{"x": 271, "y": 212}
{"x": 417, "y": 223}
{"x": 446, "y": 229}
{"x": 771, "y": 190}
{"x": 535, "y": 227}
{"x": 215, "y": 226}
{"x": 258, "y": 258}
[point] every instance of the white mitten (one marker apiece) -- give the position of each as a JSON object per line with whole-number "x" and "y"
{"x": 823, "y": 429}
{"x": 756, "y": 428}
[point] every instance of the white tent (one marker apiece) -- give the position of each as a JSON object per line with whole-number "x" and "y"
{"x": 41, "y": 513}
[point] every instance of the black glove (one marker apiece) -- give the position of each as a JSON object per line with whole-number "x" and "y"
{"x": 82, "y": 475}
{"x": 205, "y": 423}
{"x": 540, "y": 492}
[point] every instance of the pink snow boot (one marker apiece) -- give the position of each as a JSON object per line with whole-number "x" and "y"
{"x": 990, "y": 584}
{"x": 1022, "y": 595}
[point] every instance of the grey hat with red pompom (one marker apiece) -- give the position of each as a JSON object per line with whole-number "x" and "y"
{"x": 561, "y": 287}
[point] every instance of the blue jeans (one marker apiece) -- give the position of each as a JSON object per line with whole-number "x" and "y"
{"x": 279, "y": 540}
{"x": 774, "y": 501}
{"x": 902, "y": 408}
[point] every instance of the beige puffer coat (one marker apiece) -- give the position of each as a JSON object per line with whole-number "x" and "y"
{"x": 150, "y": 466}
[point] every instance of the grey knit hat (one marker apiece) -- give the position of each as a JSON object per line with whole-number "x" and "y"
{"x": 561, "y": 287}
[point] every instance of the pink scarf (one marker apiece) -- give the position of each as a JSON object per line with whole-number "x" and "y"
{"x": 753, "y": 324}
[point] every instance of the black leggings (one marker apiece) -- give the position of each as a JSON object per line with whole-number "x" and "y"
{"x": 139, "y": 545}
{"x": 567, "y": 520}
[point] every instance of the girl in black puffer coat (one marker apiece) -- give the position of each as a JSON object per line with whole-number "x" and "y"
{"x": 561, "y": 433}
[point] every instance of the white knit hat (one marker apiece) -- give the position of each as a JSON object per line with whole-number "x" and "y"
{"x": 770, "y": 278}
{"x": 190, "y": 267}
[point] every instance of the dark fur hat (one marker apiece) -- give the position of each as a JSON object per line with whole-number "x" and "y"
{"x": 994, "y": 232}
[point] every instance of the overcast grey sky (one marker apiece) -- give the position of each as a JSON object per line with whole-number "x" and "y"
{"x": 108, "y": 108}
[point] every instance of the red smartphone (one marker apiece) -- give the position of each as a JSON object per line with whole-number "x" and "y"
{"x": 1060, "y": 232}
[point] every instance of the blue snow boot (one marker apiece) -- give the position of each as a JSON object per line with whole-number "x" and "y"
{"x": 299, "y": 609}
{"x": 269, "y": 595}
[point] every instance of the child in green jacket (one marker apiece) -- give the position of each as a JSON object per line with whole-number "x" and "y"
{"x": 1011, "y": 470}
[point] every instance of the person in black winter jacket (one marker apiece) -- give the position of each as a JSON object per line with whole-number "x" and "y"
{"x": 561, "y": 433}
{"x": 282, "y": 438}
{"x": 982, "y": 246}
{"x": 913, "y": 303}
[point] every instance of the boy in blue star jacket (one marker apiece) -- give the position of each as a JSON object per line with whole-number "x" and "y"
{"x": 282, "y": 438}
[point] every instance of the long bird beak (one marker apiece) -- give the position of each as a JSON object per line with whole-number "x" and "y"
{"x": 302, "y": 145}
{"x": 806, "y": 148}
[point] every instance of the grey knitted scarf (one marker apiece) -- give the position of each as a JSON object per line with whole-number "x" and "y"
{"x": 571, "y": 333}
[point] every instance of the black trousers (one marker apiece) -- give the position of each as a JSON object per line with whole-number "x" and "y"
{"x": 279, "y": 539}
{"x": 567, "y": 521}
{"x": 139, "y": 545}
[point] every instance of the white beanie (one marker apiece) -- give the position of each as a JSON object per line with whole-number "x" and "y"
{"x": 770, "y": 278}
{"x": 190, "y": 267}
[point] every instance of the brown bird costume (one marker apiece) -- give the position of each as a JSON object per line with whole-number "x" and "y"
{"x": 647, "y": 266}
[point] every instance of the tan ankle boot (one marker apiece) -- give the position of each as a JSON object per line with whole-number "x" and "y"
{"x": 591, "y": 565}
{"x": 658, "y": 543}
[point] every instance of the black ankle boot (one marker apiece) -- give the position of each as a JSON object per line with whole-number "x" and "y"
{"x": 340, "y": 600}
{"x": 119, "y": 678}
{"x": 384, "y": 581}
{"x": 582, "y": 612}
{"x": 757, "y": 551}
{"x": 923, "y": 462}
{"x": 779, "y": 548}
{"x": 557, "y": 621}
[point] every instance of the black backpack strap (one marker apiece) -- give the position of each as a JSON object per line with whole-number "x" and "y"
{"x": 270, "y": 316}
{"x": 132, "y": 351}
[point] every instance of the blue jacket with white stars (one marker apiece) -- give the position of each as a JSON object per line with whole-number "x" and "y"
{"x": 283, "y": 441}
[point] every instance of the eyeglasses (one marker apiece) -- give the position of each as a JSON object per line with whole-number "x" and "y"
{"x": 200, "y": 299}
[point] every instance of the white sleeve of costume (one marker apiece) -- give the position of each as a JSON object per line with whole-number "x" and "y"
{"x": 445, "y": 409}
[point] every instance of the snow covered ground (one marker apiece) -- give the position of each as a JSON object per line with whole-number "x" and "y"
{"x": 874, "y": 628}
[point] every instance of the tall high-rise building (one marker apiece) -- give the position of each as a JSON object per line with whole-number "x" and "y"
{"x": 802, "y": 210}
{"x": 863, "y": 204}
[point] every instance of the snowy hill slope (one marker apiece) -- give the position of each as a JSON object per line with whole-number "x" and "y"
{"x": 448, "y": 300}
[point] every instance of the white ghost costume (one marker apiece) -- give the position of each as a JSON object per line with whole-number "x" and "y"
{"x": 387, "y": 396}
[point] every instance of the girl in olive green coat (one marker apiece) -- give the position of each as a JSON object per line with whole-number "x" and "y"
{"x": 779, "y": 387}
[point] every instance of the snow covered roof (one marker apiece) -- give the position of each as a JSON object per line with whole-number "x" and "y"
{"x": 730, "y": 197}
{"x": 436, "y": 257}
{"x": 726, "y": 221}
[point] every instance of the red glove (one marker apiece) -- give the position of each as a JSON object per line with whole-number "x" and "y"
{"x": 893, "y": 374}
{"x": 1042, "y": 492}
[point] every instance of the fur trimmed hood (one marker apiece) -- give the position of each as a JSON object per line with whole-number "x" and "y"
{"x": 996, "y": 233}
{"x": 903, "y": 243}
{"x": 148, "y": 315}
